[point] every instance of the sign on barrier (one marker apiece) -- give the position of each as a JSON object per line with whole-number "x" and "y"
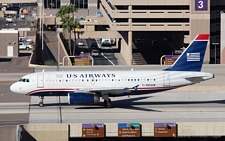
{"x": 93, "y": 130}
{"x": 129, "y": 130}
{"x": 165, "y": 129}
{"x": 170, "y": 59}
{"x": 82, "y": 61}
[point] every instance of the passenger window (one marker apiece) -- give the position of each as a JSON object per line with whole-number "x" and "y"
{"x": 28, "y": 80}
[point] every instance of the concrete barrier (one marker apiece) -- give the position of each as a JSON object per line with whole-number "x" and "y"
{"x": 62, "y": 132}
{"x": 43, "y": 132}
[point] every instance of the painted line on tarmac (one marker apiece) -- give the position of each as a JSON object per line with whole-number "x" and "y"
{"x": 15, "y": 104}
{"x": 108, "y": 59}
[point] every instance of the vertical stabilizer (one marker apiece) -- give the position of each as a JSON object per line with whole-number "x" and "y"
{"x": 192, "y": 58}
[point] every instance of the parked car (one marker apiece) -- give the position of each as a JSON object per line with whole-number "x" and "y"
{"x": 9, "y": 19}
{"x": 80, "y": 43}
{"x": 94, "y": 53}
{"x": 106, "y": 42}
{"x": 25, "y": 39}
{"x": 22, "y": 16}
{"x": 25, "y": 45}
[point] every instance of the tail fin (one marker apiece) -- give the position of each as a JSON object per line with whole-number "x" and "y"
{"x": 192, "y": 58}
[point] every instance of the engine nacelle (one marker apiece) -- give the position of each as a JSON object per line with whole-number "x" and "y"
{"x": 82, "y": 98}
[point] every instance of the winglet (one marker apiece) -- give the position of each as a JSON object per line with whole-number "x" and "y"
{"x": 192, "y": 58}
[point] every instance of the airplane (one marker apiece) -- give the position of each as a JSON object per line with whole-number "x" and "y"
{"x": 87, "y": 87}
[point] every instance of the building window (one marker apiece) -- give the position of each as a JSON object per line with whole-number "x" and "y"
{"x": 80, "y": 4}
{"x": 52, "y": 4}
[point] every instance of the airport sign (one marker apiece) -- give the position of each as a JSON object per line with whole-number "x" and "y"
{"x": 165, "y": 129}
{"x": 93, "y": 130}
{"x": 126, "y": 130}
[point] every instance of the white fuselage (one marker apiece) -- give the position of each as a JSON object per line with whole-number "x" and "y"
{"x": 62, "y": 83}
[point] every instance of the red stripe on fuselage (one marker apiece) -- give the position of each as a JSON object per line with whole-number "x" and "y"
{"x": 202, "y": 37}
{"x": 63, "y": 89}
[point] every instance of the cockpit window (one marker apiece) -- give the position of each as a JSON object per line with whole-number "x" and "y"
{"x": 24, "y": 80}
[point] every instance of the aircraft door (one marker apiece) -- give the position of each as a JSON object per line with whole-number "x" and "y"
{"x": 40, "y": 81}
{"x": 166, "y": 79}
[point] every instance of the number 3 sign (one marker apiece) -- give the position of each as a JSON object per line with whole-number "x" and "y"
{"x": 200, "y": 4}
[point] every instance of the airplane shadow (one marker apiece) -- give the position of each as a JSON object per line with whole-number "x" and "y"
{"x": 125, "y": 104}
{"x": 131, "y": 103}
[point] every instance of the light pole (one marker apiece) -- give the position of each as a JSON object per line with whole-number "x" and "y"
{"x": 215, "y": 50}
{"x": 42, "y": 30}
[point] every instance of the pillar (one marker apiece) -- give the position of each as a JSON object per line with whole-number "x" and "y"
{"x": 130, "y": 47}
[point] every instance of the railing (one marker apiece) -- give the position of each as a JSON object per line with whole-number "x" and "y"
{"x": 150, "y": 26}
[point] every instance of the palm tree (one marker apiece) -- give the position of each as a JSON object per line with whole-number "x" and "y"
{"x": 66, "y": 13}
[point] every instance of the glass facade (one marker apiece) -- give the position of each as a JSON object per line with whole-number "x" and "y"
{"x": 80, "y": 4}
{"x": 52, "y": 4}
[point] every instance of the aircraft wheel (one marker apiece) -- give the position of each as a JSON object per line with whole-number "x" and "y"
{"x": 41, "y": 104}
{"x": 108, "y": 104}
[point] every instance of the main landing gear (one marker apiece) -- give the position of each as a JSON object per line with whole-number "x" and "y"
{"x": 41, "y": 104}
{"x": 107, "y": 101}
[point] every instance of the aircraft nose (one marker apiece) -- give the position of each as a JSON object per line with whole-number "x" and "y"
{"x": 15, "y": 88}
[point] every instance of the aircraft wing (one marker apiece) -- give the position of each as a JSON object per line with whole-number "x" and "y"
{"x": 105, "y": 90}
{"x": 111, "y": 90}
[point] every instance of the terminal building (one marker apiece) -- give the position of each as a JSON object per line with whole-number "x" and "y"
{"x": 145, "y": 30}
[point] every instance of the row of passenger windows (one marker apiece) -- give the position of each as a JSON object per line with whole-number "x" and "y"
{"x": 87, "y": 80}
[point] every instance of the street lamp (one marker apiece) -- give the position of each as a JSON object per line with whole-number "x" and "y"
{"x": 215, "y": 50}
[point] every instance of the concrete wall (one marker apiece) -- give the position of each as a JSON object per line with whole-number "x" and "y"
{"x": 43, "y": 132}
{"x": 200, "y": 23}
{"x": 126, "y": 50}
{"x": 62, "y": 132}
{"x": 9, "y": 38}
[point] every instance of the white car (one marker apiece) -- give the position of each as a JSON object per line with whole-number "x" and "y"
{"x": 25, "y": 39}
{"x": 80, "y": 43}
{"x": 24, "y": 45}
{"x": 94, "y": 53}
{"x": 9, "y": 19}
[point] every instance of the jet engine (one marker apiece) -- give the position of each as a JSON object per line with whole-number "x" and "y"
{"x": 82, "y": 98}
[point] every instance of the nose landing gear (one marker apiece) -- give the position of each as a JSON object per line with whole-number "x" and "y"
{"x": 41, "y": 103}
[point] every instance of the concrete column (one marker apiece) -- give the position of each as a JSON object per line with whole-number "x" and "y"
{"x": 130, "y": 19}
{"x": 129, "y": 50}
{"x": 222, "y": 37}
